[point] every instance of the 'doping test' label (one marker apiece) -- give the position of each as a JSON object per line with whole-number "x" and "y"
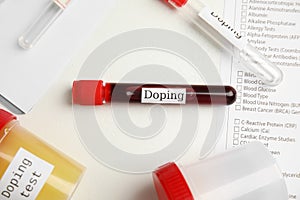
{"x": 24, "y": 177}
{"x": 164, "y": 95}
{"x": 223, "y": 28}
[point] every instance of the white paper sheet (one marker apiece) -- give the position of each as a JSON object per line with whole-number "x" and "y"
{"x": 26, "y": 74}
{"x": 269, "y": 115}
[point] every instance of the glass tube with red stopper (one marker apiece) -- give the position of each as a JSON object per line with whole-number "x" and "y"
{"x": 97, "y": 92}
{"x": 220, "y": 31}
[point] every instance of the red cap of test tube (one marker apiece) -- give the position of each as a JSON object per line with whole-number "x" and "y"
{"x": 178, "y": 3}
{"x": 89, "y": 92}
{"x": 170, "y": 183}
{"x": 5, "y": 117}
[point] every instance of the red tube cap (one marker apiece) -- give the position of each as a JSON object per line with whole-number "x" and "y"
{"x": 5, "y": 117}
{"x": 88, "y": 92}
{"x": 178, "y": 3}
{"x": 170, "y": 183}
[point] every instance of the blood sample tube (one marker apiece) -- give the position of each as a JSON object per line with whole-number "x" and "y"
{"x": 230, "y": 39}
{"x": 96, "y": 92}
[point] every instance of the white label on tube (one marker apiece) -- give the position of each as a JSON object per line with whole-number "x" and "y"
{"x": 164, "y": 95}
{"x": 25, "y": 177}
{"x": 222, "y": 27}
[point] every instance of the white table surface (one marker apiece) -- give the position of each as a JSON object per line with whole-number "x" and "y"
{"x": 52, "y": 118}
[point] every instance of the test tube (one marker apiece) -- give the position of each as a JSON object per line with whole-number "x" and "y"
{"x": 230, "y": 39}
{"x": 35, "y": 31}
{"x": 96, "y": 92}
{"x": 248, "y": 172}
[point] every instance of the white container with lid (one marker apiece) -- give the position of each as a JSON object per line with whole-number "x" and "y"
{"x": 245, "y": 173}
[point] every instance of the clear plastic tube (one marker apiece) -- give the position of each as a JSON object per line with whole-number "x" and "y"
{"x": 243, "y": 173}
{"x": 40, "y": 26}
{"x": 230, "y": 39}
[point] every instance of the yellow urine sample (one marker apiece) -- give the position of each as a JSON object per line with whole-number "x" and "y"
{"x": 59, "y": 185}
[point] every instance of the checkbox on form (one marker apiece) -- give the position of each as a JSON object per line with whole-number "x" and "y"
{"x": 243, "y": 27}
{"x": 239, "y": 88}
{"x": 236, "y": 135}
{"x": 235, "y": 142}
{"x": 237, "y": 121}
{"x": 236, "y": 129}
{"x": 238, "y": 107}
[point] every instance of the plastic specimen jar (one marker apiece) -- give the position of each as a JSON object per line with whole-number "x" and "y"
{"x": 246, "y": 173}
{"x": 31, "y": 169}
